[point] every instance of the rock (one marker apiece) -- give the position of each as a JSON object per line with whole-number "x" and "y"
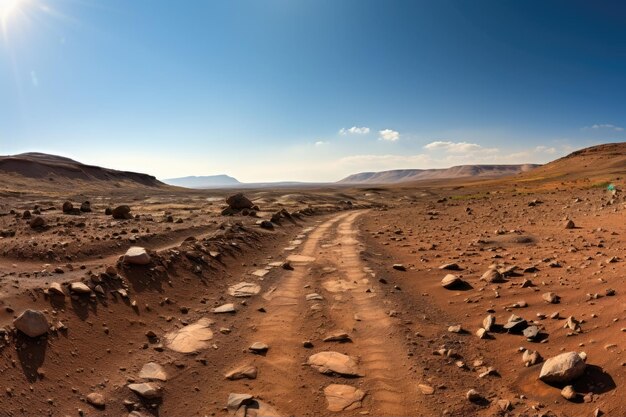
{"x": 26, "y": 214}
{"x": 568, "y": 393}
{"x": 455, "y": 329}
{"x": 531, "y": 358}
{"x": 343, "y": 397}
{"x": 340, "y": 336}
{"x": 482, "y": 333}
{"x": 451, "y": 281}
{"x": 239, "y": 202}
{"x": 314, "y": 297}
{"x": 37, "y": 222}
{"x": 56, "y": 289}
{"x": 245, "y": 371}
{"x": 399, "y": 267}
{"x": 426, "y": 389}
{"x": 266, "y": 224}
{"x": 85, "y": 207}
{"x": 96, "y": 399}
{"x": 68, "y": 207}
{"x": 489, "y": 322}
{"x": 244, "y": 289}
{"x": 121, "y": 213}
{"x": 531, "y": 333}
{"x": 79, "y": 288}
{"x": 473, "y": 396}
{"x": 244, "y": 405}
{"x": 136, "y": 256}
{"x": 258, "y": 347}
{"x": 451, "y": 267}
{"x": 147, "y": 390}
{"x": 153, "y": 370}
{"x": 562, "y": 368}
{"x": 32, "y": 323}
{"x": 569, "y": 224}
{"x": 492, "y": 276}
{"x": 504, "y": 405}
{"x": 515, "y": 324}
{"x": 572, "y": 324}
{"x": 226, "y": 308}
{"x": 191, "y": 338}
{"x": 551, "y": 297}
{"x": 334, "y": 362}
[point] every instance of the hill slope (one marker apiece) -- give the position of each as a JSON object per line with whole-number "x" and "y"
{"x": 209, "y": 181}
{"x": 596, "y": 162}
{"x": 38, "y": 171}
{"x": 461, "y": 171}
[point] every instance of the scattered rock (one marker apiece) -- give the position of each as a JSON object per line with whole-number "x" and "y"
{"x": 242, "y": 372}
{"x": 551, "y": 297}
{"x": 239, "y": 202}
{"x": 191, "y": 338}
{"x": 569, "y": 224}
{"x": 562, "y": 368}
{"x": 79, "y": 288}
{"x": 343, "y": 397}
{"x": 147, "y": 390}
{"x": 492, "y": 276}
{"x": 153, "y": 370}
{"x": 121, "y": 213}
{"x": 32, "y": 323}
{"x": 568, "y": 393}
{"x": 37, "y": 222}
{"x": 136, "y": 256}
{"x": 244, "y": 289}
{"x": 334, "y": 362}
{"x": 451, "y": 281}
{"x": 96, "y": 399}
{"x": 258, "y": 347}
{"x": 451, "y": 267}
{"x": 226, "y": 308}
{"x": 399, "y": 267}
{"x": 473, "y": 396}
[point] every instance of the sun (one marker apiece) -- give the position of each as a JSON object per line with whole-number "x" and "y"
{"x": 9, "y": 9}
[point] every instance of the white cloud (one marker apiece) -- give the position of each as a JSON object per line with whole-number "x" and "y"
{"x": 321, "y": 143}
{"x": 453, "y": 147}
{"x": 354, "y": 130}
{"x": 389, "y": 135}
{"x": 545, "y": 149}
{"x": 607, "y": 126}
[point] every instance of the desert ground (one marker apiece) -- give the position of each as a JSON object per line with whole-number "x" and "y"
{"x": 443, "y": 298}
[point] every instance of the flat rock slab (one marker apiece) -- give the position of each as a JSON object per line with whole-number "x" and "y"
{"x": 225, "y": 308}
{"x": 334, "y": 362}
{"x": 314, "y": 297}
{"x": 148, "y": 390}
{"x": 260, "y": 273}
{"x": 192, "y": 338}
{"x": 343, "y": 397}
{"x": 137, "y": 256}
{"x": 242, "y": 372}
{"x": 153, "y": 370}
{"x": 300, "y": 259}
{"x": 244, "y": 289}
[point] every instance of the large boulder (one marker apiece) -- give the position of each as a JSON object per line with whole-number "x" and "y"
{"x": 121, "y": 213}
{"x": 239, "y": 202}
{"x": 32, "y": 323}
{"x": 136, "y": 256}
{"x": 562, "y": 368}
{"x": 334, "y": 362}
{"x": 37, "y": 222}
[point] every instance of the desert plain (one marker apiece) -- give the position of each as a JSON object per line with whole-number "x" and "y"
{"x": 491, "y": 296}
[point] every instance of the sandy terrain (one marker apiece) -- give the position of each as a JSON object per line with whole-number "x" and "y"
{"x": 334, "y": 308}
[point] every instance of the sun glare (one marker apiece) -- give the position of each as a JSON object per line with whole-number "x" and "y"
{"x": 9, "y": 9}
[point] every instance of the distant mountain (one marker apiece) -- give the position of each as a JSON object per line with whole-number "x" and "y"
{"x": 209, "y": 181}
{"x": 461, "y": 171}
{"x": 62, "y": 171}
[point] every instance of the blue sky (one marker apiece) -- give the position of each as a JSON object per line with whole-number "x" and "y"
{"x": 309, "y": 90}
